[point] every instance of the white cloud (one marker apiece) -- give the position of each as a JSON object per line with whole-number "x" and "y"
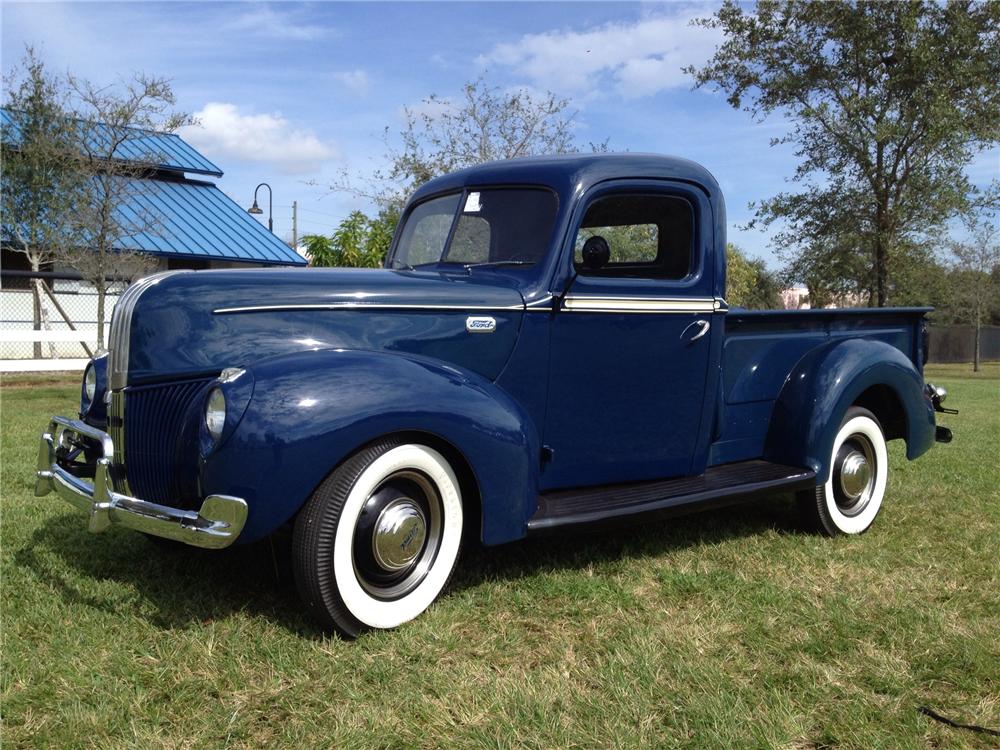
{"x": 262, "y": 20}
{"x": 355, "y": 80}
{"x": 635, "y": 59}
{"x": 225, "y": 132}
{"x": 429, "y": 108}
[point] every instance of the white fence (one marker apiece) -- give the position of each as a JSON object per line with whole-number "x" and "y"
{"x": 62, "y": 348}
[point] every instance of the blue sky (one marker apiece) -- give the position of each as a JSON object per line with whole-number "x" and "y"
{"x": 296, "y": 93}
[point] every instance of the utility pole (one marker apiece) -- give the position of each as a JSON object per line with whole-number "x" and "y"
{"x": 295, "y": 226}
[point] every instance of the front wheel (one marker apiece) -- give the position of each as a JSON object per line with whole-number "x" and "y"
{"x": 852, "y": 496}
{"x": 378, "y": 540}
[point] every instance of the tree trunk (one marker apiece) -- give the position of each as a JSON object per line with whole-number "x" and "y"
{"x": 101, "y": 292}
{"x": 47, "y": 324}
{"x": 881, "y": 258}
{"x": 36, "y": 305}
{"x": 979, "y": 331}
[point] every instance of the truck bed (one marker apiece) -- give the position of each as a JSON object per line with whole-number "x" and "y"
{"x": 761, "y": 347}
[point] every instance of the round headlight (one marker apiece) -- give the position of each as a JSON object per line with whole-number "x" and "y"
{"x": 90, "y": 382}
{"x": 215, "y": 413}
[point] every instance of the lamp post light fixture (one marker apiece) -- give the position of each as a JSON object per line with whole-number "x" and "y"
{"x": 255, "y": 209}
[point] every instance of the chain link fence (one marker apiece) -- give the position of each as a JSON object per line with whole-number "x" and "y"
{"x": 66, "y": 303}
{"x": 958, "y": 343}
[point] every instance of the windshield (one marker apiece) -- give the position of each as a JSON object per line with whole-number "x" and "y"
{"x": 495, "y": 227}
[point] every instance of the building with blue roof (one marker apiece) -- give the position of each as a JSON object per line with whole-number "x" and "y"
{"x": 197, "y": 225}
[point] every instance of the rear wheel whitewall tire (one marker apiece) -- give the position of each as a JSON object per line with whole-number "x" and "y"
{"x": 377, "y": 542}
{"x": 851, "y": 497}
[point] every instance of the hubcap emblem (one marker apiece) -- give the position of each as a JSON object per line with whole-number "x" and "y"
{"x": 399, "y": 534}
{"x": 855, "y": 474}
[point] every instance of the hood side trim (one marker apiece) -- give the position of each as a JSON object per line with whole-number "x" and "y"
{"x": 361, "y": 306}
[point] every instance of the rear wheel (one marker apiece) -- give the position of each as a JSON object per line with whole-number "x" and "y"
{"x": 852, "y": 496}
{"x": 378, "y": 540}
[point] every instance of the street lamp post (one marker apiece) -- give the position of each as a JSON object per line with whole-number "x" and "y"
{"x": 255, "y": 209}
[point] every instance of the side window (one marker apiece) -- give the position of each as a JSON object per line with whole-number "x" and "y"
{"x": 649, "y": 236}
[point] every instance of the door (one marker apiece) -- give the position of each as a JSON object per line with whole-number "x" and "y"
{"x": 631, "y": 343}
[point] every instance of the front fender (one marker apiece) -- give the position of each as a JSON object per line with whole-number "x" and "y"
{"x": 825, "y": 383}
{"x": 311, "y": 410}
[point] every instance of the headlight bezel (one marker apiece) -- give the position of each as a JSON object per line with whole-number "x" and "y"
{"x": 214, "y": 413}
{"x": 234, "y": 387}
{"x": 89, "y": 386}
{"x": 93, "y": 408}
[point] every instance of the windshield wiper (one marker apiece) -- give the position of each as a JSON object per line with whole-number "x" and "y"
{"x": 402, "y": 266}
{"x": 467, "y": 266}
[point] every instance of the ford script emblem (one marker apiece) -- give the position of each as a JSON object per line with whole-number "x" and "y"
{"x": 480, "y": 324}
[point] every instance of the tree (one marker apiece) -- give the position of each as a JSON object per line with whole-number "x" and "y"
{"x": 39, "y": 186}
{"x": 975, "y": 278}
{"x": 110, "y": 129}
{"x": 748, "y": 282}
{"x": 486, "y": 123}
{"x": 888, "y": 103}
{"x": 358, "y": 242}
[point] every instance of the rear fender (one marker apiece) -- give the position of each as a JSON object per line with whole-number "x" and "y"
{"x": 311, "y": 410}
{"x": 825, "y": 383}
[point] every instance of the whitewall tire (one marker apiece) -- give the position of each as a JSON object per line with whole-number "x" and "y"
{"x": 377, "y": 542}
{"x": 850, "y": 499}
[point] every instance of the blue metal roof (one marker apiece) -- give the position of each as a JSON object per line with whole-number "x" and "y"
{"x": 193, "y": 219}
{"x": 197, "y": 220}
{"x": 167, "y": 151}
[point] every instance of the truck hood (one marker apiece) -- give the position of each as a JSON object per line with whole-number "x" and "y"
{"x": 197, "y": 323}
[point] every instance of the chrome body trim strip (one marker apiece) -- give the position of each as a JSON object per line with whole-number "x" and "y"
{"x": 362, "y": 306}
{"x": 545, "y": 303}
{"x": 216, "y": 525}
{"x": 579, "y": 303}
{"x": 594, "y": 303}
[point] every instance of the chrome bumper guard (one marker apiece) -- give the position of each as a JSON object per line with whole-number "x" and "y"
{"x": 215, "y": 526}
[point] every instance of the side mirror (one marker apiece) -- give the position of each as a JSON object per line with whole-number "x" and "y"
{"x": 596, "y": 253}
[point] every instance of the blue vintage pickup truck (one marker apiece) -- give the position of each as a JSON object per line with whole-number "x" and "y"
{"x": 549, "y": 345}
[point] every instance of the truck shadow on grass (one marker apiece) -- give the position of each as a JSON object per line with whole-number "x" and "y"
{"x": 125, "y": 574}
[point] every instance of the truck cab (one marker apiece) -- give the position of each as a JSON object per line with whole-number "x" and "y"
{"x": 549, "y": 345}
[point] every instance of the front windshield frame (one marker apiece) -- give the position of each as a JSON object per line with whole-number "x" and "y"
{"x": 394, "y": 262}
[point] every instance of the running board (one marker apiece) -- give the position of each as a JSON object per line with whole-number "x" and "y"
{"x": 719, "y": 485}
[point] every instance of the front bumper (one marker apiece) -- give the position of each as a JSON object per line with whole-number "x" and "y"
{"x": 215, "y": 526}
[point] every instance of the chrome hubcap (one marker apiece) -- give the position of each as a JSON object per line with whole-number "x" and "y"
{"x": 855, "y": 474}
{"x": 399, "y": 534}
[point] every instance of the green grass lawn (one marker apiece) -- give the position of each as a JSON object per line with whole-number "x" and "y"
{"x": 729, "y": 629}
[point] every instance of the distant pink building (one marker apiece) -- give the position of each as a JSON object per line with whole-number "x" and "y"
{"x": 795, "y": 298}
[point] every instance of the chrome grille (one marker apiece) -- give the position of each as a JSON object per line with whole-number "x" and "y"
{"x": 118, "y": 359}
{"x": 116, "y": 429}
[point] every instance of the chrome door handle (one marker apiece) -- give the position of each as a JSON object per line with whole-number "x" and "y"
{"x": 701, "y": 325}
